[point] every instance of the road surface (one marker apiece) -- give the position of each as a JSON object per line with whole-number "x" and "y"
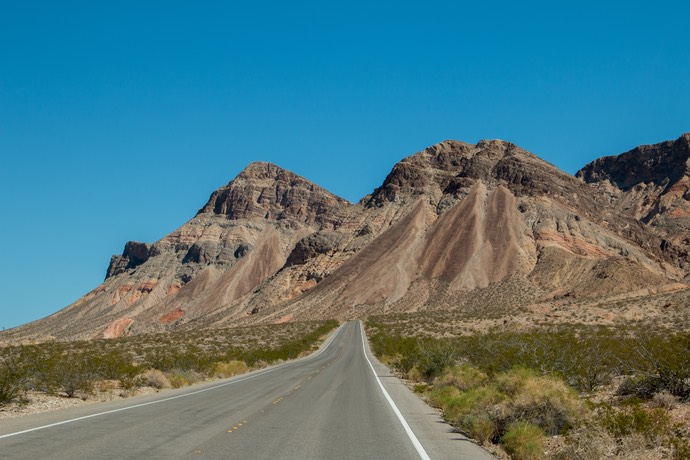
{"x": 338, "y": 403}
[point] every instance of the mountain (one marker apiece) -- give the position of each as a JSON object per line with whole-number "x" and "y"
{"x": 650, "y": 183}
{"x": 457, "y": 218}
{"x": 447, "y": 225}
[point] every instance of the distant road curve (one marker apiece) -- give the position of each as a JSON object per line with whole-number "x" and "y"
{"x": 338, "y": 403}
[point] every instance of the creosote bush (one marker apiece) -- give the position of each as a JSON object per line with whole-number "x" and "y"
{"x": 652, "y": 423}
{"x": 12, "y": 378}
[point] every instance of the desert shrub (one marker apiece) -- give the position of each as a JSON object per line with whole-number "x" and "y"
{"x": 406, "y": 363}
{"x": 417, "y": 359}
{"x": 662, "y": 362}
{"x": 77, "y": 366}
{"x": 12, "y": 377}
{"x": 544, "y": 401}
{"x": 191, "y": 359}
{"x": 663, "y": 400}
{"x": 114, "y": 365}
{"x": 652, "y": 424}
{"x": 129, "y": 383}
{"x": 434, "y": 357}
{"x": 483, "y": 408}
{"x": 516, "y": 376}
{"x": 400, "y": 352}
{"x": 681, "y": 448}
{"x": 640, "y": 386}
{"x": 155, "y": 379}
{"x": 629, "y": 431}
{"x": 588, "y": 442}
{"x": 289, "y": 350}
{"x": 524, "y": 441}
{"x": 481, "y": 426}
{"x": 441, "y": 396}
{"x": 463, "y": 377}
{"x": 415, "y": 375}
{"x": 181, "y": 378}
{"x": 477, "y": 412}
{"x": 73, "y": 375}
{"x": 585, "y": 356}
{"x": 229, "y": 368}
{"x": 584, "y": 359}
{"x": 106, "y": 386}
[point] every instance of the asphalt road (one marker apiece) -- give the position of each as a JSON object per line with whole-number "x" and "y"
{"x": 338, "y": 403}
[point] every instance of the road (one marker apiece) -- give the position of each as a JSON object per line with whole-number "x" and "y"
{"x": 330, "y": 405}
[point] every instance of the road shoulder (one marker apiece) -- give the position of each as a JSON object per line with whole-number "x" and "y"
{"x": 439, "y": 439}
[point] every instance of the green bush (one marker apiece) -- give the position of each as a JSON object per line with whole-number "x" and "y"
{"x": 73, "y": 375}
{"x": 473, "y": 411}
{"x": 524, "y": 441}
{"x": 434, "y": 357}
{"x": 660, "y": 362}
{"x": 642, "y": 387}
{"x": 483, "y": 408}
{"x": 463, "y": 377}
{"x": 544, "y": 401}
{"x": 12, "y": 377}
{"x": 635, "y": 418}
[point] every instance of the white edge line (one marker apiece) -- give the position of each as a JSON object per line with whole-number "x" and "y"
{"x": 410, "y": 434}
{"x": 279, "y": 366}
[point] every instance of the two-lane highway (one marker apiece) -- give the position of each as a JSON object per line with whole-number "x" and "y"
{"x": 337, "y": 403}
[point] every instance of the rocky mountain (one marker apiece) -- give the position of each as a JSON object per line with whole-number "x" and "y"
{"x": 447, "y": 225}
{"x": 650, "y": 183}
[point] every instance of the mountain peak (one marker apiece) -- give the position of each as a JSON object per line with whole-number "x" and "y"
{"x": 443, "y": 166}
{"x": 263, "y": 169}
{"x": 266, "y": 191}
{"x": 665, "y": 162}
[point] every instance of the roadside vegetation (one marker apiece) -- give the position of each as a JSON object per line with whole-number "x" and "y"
{"x": 564, "y": 392}
{"x": 165, "y": 360}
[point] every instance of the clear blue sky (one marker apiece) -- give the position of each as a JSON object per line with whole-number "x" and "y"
{"x": 117, "y": 121}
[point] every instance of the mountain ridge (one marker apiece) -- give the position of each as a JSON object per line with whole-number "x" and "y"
{"x": 449, "y": 220}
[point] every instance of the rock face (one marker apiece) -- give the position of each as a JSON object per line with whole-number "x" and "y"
{"x": 650, "y": 183}
{"x": 447, "y": 222}
{"x": 265, "y": 191}
{"x": 135, "y": 254}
